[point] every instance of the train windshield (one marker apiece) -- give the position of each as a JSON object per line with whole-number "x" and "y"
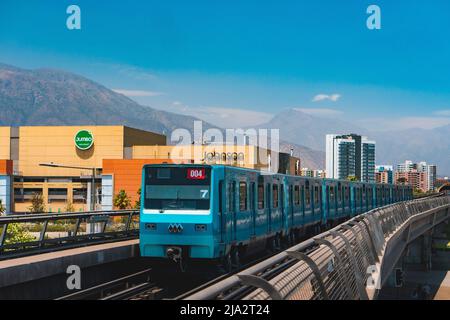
{"x": 177, "y": 188}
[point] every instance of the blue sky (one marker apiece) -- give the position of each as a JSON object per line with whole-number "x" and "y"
{"x": 243, "y": 61}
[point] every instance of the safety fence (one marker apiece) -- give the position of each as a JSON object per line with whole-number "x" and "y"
{"x": 350, "y": 261}
{"x": 35, "y": 233}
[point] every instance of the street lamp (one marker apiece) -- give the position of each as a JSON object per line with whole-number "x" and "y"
{"x": 94, "y": 170}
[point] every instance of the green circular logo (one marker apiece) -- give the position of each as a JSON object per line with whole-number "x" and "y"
{"x": 84, "y": 140}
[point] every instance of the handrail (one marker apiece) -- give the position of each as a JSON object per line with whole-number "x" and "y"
{"x": 29, "y": 234}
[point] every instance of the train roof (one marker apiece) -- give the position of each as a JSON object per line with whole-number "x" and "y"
{"x": 275, "y": 174}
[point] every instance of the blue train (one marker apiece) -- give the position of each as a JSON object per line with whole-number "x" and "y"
{"x": 223, "y": 213}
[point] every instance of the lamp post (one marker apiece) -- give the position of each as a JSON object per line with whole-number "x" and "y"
{"x": 94, "y": 170}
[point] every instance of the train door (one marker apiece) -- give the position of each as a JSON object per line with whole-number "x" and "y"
{"x": 252, "y": 209}
{"x": 282, "y": 207}
{"x": 302, "y": 197}
{"x": 269, "y": 207}
{"x": 221, "y": 212}
{"x": 233, "y": 209}
{"x": 364, "y": 199}
{"x": 327, "y": 201}
{"x": 291, "y": 206}
{"x": 353, "y": 199}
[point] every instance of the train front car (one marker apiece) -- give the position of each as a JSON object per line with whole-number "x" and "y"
{"x": 177, "y": 220}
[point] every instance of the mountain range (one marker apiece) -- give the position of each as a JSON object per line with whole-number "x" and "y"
{"x": 392, "y": 147}
{"x": 56, "y": 97}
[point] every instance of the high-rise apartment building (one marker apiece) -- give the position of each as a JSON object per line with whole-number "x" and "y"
{"x": 306, "y": 172}
{"x": 384, "y": 174}
{"x": 420, "y": 175}
{"x": 350, "y": 155}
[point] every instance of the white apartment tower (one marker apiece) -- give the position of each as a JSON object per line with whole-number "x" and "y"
{"x": 350, "y": 155}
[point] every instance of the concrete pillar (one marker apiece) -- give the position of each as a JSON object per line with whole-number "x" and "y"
{"x": 45, "y": 195}
{"x": 5, "y": 192}
{"x": 107, "y": 192}
{"x": 70, "y": 192}
{"x": 426, "y": 250}
{"x": 89, "y": 196}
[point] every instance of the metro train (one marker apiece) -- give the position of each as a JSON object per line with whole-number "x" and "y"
{"x": 221, "y": 213}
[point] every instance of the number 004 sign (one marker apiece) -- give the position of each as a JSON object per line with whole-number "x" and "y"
{"x": 196, "y": 173}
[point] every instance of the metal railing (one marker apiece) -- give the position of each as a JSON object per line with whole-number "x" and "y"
{"x": 36, "y": 233}
{"x": 350, "y": 261}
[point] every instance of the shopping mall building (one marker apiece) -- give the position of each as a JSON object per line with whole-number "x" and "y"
{"x": 85, "y": 166}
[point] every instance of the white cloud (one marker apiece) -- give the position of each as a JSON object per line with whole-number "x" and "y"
{"x": 445, "y": 113}
{"x": 232, "y": 118}
{"x": 222, "y": 117}
{"x": 319, "y": 111}
{"x": 138, "y": 93}
{"x": 128, "y": 71}
{"x": 383, "y": 124}
{"x": 321, "y": 97}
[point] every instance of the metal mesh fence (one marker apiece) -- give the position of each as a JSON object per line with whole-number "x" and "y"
{"x": 337, "y": 266}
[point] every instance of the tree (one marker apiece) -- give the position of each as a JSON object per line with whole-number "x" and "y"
{"x": 137, "y": 203}
{"x": 69, "y": 207}
{"x": 401, "y": 180}
{"x": 2, "y": 207}
{"x": 121, "y": 200}
{"x": 352, "y": 178}
{"x": 37, "y": 203}
{"x": 417, "y": 193}
{"x": 17, "y": 234}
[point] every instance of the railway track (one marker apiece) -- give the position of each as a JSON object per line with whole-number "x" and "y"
{"x": 142, "y": 286}
{"x": 123, "y": 288}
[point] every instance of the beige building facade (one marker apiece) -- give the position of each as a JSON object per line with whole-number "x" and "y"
{"x": 32, "y": 146}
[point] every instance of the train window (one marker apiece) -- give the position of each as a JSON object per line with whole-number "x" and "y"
{"x": 275, "y": 195}
{"x": 339, "y": 193}
{"x": 331, "y": 193}
{"x": 260, "y": 196}
{"x": 170, "y": 189}
{"x": 242, "y": 196}
{"x": 297, "y": 195}
{"x": 347, "y": 193}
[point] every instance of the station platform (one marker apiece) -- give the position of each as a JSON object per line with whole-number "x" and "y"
{"x": 46, "y": 265}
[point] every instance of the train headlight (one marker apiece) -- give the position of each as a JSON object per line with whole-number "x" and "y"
{"x": 150, "y": 226}
{"x": 200, "y": 227}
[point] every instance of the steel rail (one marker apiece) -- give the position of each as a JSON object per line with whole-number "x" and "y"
{"x": 107, "y": 289}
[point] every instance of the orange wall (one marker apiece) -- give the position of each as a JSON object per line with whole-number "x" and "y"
{"x": 6, "y": 167}
{"x": 127, "y": 174}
